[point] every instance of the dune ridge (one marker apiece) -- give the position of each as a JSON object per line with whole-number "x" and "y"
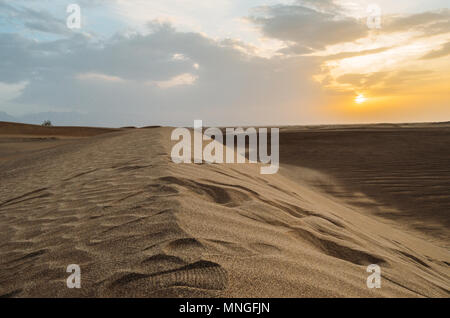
{"x": 142, "y": 226}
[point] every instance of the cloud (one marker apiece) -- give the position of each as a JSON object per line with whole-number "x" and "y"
{"x": 98, "y": 77}
{"x": 308, "y": 28}
{"x": 362, "y": 81}
{"x": 387, "y": 82}
{"x": 11, "y": 91}
{"x": 428, "y": 23}
{"x": 32, "y": 19}
{"x": 179, "y": 80}
{"x": 23, "y": 59}
{"x": 443, "y": 51}
{"x": 16, "y": 59}
{"x": 208, "y": 79}
{"x": 343, "y": 55}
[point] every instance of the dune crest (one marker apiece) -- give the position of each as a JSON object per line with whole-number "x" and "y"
{"x": 140, "y": 225}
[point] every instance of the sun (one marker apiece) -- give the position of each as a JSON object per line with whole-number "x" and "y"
{"x": 360, "y": 99}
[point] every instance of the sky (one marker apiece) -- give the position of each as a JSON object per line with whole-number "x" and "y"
{"x": 226, "y": 62}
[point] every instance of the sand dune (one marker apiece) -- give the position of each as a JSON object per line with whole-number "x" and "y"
{"x": 399, "y": 172}
{"x": 142, "y": 226}
{"x": 19, "y": 139}
{"x": 17, "y": 129}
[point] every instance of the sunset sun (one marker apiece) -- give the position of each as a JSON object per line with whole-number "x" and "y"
{"x": 360, "y": 99}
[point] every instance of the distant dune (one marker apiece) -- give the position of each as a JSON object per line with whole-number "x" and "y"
{"x": 139, "y": 225}
{"x": 16, "y": 129}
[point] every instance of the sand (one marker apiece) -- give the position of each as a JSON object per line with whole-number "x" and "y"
{"x": 139, "y": 225}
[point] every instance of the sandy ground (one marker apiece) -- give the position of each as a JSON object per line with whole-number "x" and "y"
{"x": 141, "y": 226}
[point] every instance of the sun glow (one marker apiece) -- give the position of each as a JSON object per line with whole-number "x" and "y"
{"x": 360, "y": 99}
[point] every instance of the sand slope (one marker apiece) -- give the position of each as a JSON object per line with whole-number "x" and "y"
{"x": 397, "y": 171}
{"x": 140, "y": 225}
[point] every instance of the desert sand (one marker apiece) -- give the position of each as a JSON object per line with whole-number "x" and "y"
{"x": 139, "y": 225}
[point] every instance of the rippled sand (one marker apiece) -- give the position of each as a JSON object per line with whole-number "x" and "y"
{"x": 141, "y": 226}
